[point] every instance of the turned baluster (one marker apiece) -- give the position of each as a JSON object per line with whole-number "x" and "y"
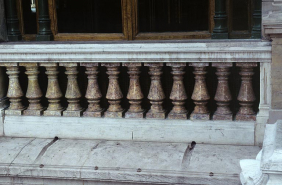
{"x": 93, "y": 93}
{"x": 53, "y": 93}
{"x": 73, "y": 94}
{"x": 200, "y": 94}
{"x": 178, "y": 94}
{"x": 135, "y": 94}
{"x": 223, "y": 95}
{"x": 114, "y": 94}
{"x": 246, "y": 95}
{"x": 33, "y": 92}
{"x": 156, "y": 94}
{"x": 15, "y": 92}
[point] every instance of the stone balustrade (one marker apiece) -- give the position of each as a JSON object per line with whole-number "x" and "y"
{"x": 131, "y": 105}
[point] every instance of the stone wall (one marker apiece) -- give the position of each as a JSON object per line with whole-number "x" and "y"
{"x": 272, "y": 30}
{"x": 3, "y": 30}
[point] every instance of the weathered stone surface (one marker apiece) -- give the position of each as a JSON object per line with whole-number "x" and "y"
{"x": 73, "y": 94}
{"x": 134, "y": 94}
{"x": 200, "y": 94}
{"x": 212, "y": 132}
{"x": 246, "y": 95}
{"x": 156, "y": 94}
{"x": 93, "y": 93}
{"x": 15, "y": 92}
{"x": 33, "y": 93}
{"x": 130, "y": 162}
{"x": 3, "y": 29}
{"x": 223, "y": 94}
{"x": 53, "y": 93}
{"x": 114, "y": 94}
{"x": 178, "y": 94}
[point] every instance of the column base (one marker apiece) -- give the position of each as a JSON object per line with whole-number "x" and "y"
{"x": 243, "y": 117}
{"x": 14, "y": 112}
{"x": 256, "y": 35}
{"x": 28, "y": 112}
{"x": 44, "y": 37}
{"x": 14, "y": 37}
{"x": 155, "y": 115}
{"x": 97, "y": 114}
{"x": 219, "y": 117}
{"x": 173, "y": 115}
{"x": 219, "y": 35}
{"x": 135, "y": 114}
{"x": 109, "y": 114}
{"x": 53, "y": 112}
{"x": 76, "y": 113}
{"x": 203, "y": 117}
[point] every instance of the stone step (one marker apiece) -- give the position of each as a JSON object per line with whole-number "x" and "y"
{"x": 33, "y": 161}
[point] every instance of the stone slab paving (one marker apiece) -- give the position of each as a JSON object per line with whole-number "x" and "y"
{"x": 84, "y": 161}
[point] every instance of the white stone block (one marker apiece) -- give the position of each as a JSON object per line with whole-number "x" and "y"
{"x": 211, "y": 132}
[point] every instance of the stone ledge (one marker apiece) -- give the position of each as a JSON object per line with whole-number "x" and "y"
{"x": 210, "y": 132}
{"x": 177, "y": 51}
{"x": 120, "y": 161}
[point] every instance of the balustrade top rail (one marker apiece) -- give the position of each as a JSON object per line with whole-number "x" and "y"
{"x": 177, "y": 51}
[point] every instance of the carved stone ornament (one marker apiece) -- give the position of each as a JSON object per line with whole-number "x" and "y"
{"x": 178, "y": 94}
{"x": 54, "y": 93}
{"x": 223, "y": 94}
{"x": 93, "y": 93}
{"x": 156, "y": 94}
{"x": 15, "y": 92}
{"x": 134, "y": 94}
{"x": 246, "y": 95}
{"x": 200, "y": 94}
{"x": 114, "y": 94}
{"x": 34, "y": 92}
{"x": 73, "y": 94}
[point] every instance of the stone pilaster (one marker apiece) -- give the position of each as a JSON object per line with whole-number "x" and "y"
{"x": 156, "y": 94}
{"x": 178, "y": 94}
{"x": 200, "y": 94}
{"x": 134, "y": 94}
{"x": 114, "y": 94}
{"x": 93, "y": 93}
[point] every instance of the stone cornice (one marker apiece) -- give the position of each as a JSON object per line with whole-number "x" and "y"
{"x": 125, "y": 51}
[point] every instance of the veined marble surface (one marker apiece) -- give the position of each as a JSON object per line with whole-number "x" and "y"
{"x": 121, "y": 161}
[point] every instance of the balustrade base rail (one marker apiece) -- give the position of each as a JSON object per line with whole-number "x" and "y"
{"x": 179, "y": 131}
